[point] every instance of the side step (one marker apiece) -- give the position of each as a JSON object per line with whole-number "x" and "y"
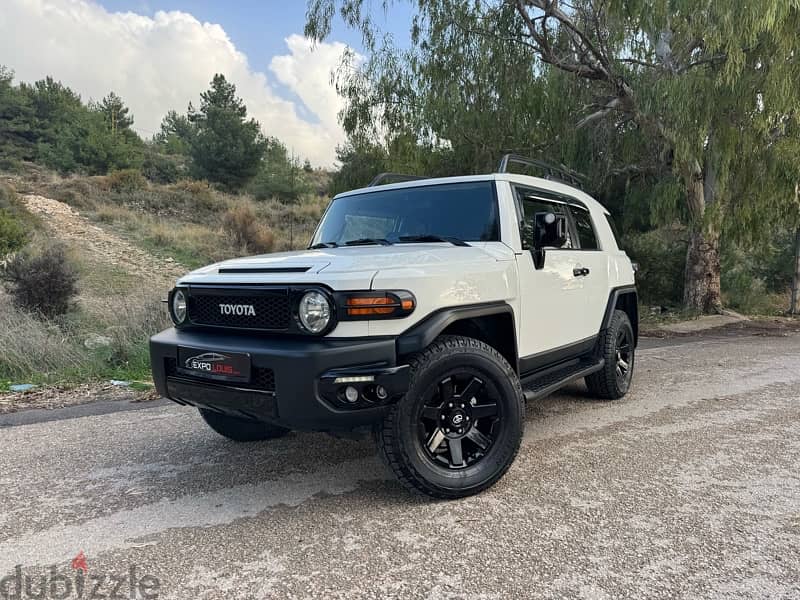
{"x": 545, "y": 383}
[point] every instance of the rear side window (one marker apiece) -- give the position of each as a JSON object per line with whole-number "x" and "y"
{"x": 585, "y": 230}
{"x": 614, "y": 230}
{"x": 532, "y": 202}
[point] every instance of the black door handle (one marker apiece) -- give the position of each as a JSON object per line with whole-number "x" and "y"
{"x": 583, "y": 272}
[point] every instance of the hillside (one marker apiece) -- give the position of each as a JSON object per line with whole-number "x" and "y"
{"x": 128, "y": 240}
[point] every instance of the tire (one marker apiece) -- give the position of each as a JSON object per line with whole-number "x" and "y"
{"x": 467, "y": 388}
{"x": 617, "y": 348}
{"x": 241, "y": 430}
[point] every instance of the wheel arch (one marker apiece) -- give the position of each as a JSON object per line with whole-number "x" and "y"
{"x": 491, "y": 323}
{"x": 626, "y": 299}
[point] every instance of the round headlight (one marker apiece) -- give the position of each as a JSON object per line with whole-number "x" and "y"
{"x": 179, "y": 307}
{"x": 314, "y": 312}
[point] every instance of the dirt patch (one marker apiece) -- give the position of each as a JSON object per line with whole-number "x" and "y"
{"x": 769, "y": 327}
{"x": 98, "y": 245}
{"x": 52, "y": 397}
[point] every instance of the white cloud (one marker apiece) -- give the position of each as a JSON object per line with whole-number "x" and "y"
{"x": 163, "y": 62}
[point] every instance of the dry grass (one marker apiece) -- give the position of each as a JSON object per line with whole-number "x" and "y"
{"x": 36, "y": 350}
{"x": 188, "y": 221}
{"x": 244, "y": 230}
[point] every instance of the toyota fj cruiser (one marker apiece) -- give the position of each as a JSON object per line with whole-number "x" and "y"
{"x": 427, "y": 309}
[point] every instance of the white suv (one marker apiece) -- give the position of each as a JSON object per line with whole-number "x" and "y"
{"x": 429, "y": 310}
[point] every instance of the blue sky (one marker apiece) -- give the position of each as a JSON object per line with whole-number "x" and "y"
{"x": 159, "y": 55}
{"x": 259, "y": 27}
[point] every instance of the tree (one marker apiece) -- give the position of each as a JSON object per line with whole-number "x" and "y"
{"x": 17, "y": 134}
{"x": 115, "y": 113}
{"x": 708, "y": 81}
{"x": 69, "y": 136}
{"x": 279, "y": 175}
{"x": 359, "y": 162}
{"x": 697, "y": 91}
{"x": 176, "y": 134}
{"x": 227, "y": 147}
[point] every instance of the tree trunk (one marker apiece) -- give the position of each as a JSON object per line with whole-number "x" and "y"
{"x": 795, "y": 308}
{"x": 701, "y": 291}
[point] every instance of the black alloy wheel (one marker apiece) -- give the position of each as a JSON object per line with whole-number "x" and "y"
{"x": 624, "y": 357}
{"x": 459, "y": 420}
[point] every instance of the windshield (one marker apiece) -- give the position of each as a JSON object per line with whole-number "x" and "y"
{"x": 455, "y": 211}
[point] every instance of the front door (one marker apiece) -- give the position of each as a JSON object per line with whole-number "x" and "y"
{"x": 553, "y": 300}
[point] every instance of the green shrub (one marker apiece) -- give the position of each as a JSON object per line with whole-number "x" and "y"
{"x": 8, "y": 198}
{"x": 757, "y": 279}
{"x": 16, "y": 223}
{"x": 160, "y": 168}
{"x": 12, "y": 234}
{"x": 661, "y": 255}
{"x": 44, "y": 284}
{"x": 126, "y": 180}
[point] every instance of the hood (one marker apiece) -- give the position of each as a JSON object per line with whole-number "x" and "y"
{"x": 354, "y": 266}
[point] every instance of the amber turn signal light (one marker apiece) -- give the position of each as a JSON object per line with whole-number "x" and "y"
{"x": 377, "y": 305}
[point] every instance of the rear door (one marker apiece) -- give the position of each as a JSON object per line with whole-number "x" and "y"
{"x": 593, "y": 260}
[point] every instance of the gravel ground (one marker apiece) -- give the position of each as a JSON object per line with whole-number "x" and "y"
{"x": 686, "y": 488}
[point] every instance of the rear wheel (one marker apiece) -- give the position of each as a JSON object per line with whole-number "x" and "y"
{"x": 617, "y": 347}
{"x": 241, "y": 430}
{"x": 459, "y": 427}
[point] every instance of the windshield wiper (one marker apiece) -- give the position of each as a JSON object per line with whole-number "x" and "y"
{"x": 432, "y": 238}
{"x": 323, "y": 245}
{"x": 365, "y": 241}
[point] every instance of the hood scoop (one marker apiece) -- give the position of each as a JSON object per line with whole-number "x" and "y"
{"x": 248, "y": 270}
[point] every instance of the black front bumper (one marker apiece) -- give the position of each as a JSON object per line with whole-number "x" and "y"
{"x": 294, "y": 381}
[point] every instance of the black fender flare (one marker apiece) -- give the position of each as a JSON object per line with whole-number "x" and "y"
{"x": 421, "y": 334}
{"x": 628, "y": 293}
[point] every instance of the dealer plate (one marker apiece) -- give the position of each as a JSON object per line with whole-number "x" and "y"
{"x": 212, "y": 364}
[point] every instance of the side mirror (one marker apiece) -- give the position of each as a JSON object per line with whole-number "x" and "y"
{"x": 549, "y": 231}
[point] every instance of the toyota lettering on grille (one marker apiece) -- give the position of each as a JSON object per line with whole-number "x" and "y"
{"x": 239, "y": 310}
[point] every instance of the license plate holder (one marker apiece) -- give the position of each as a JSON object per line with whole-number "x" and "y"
{"x": 214, "y": 364}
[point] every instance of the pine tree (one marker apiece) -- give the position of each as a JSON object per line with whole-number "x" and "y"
{"x": 227, "y": 147}
{"x": 116, "y": 115}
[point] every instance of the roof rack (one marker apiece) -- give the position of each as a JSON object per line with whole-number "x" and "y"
{"x": 552, "y": 172}
{"x": 397, "y": 177}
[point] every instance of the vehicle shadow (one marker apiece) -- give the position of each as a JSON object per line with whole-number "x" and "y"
{"x": 313, "y": 457}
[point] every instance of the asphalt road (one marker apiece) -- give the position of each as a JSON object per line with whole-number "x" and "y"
{"x": 686, "y": 488}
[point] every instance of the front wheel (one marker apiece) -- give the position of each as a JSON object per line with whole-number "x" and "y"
{"x": 617, "y": 348}
{"x": 459, "y": 426}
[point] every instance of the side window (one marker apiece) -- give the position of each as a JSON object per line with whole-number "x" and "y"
{"x": 532, "y": 202}
{"x": 583, "y": 225}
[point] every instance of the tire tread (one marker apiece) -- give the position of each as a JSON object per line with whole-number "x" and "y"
{"x": 603, "y": 383}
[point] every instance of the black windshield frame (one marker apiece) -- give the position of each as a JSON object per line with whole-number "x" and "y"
{"x": 458, "y": 199}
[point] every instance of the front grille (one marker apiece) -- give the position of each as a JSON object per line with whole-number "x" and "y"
{"x": 271, "y": 311}
{"x": 260, "y": 379}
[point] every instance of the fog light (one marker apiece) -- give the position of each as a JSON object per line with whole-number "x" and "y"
{"x": 351, "y": 394}
{"x": 358, "y": 379}
{"x": 381, "y": 392}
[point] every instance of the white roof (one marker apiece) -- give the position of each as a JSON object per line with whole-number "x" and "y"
{"x": 543, "y": 184}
